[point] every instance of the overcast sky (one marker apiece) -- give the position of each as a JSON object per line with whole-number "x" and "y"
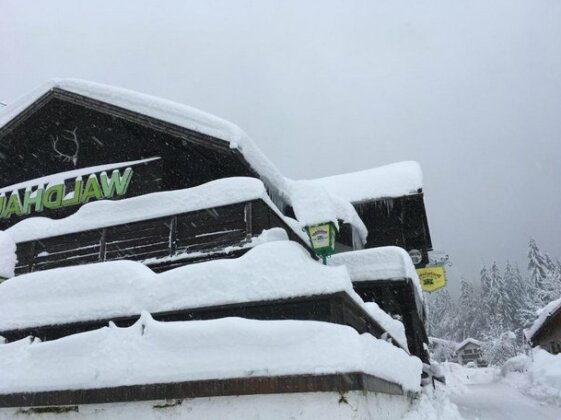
{"x": 469, "y": 89}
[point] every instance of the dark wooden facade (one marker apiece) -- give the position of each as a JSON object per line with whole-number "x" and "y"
{"x": 337, "y": 308}
{"x": 398, "y": 298}
{"x": 162, "y": 243}
{"x": 67, "y": 401}
{"x": 548, "y": 336}
{"x": 398, "y": 221}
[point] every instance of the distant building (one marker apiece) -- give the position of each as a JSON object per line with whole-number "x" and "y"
{"x": 546, "y": 330}
{"x": 469, "y": 350}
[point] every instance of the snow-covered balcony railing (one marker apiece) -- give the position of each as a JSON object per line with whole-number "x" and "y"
{"x": 154, "y": 361}
{"x": 164, "y": 229}
{"x": 387, "y": 276}
{"x": 274, "y": 280}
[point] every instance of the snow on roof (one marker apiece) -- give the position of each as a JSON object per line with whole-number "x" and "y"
{"x": 469, "y": 341}
{"x": 164, "y": 352}
{"x": 194, "y": 119}
{"x": 395, "y": 180}
{"x": 272, "y": 270}
{"x": 164, "y": 110}
{"x": 436, "y": 340}
{"x": 313, "y": 205}
{"x": 383, "y": 263}
{"x": 543, "y": 315}
{"x": 105, "y": 213}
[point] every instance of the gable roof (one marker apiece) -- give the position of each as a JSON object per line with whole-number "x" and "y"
{"x": 469, "y": 341}
{"x": 544, "y": 315}
{"x": 163, "y": 110}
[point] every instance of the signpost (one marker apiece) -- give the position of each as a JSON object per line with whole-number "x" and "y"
{"x": 431, "y": 278}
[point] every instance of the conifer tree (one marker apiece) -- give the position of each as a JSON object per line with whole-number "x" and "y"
{"x": 537, "y": 265}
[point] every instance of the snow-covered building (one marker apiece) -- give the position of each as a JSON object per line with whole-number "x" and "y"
{"x": 546, "y": 329}
{"x": 188, "y": 223}
{"x": 468, "y": 351}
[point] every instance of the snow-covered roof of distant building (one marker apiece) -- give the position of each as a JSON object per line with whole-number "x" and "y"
{"x": 543, "y": 315}
{"x": 469, "y": 341}
{"x": 165, "y": 352}
{"x": 383, "y": 263}
{"x": 390, "y": 181}
{"x": 442, "y": 341}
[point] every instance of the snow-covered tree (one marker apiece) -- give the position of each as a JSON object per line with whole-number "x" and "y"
{"x": 537, "y": 265}
{"x": 500, "y": 345}
{"x": 441, "y": 314}
{"x": 497, "y": 295}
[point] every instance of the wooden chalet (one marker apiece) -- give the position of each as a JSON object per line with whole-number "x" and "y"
{"x": 546, "y": 330}
{"x": 79, "y": 159}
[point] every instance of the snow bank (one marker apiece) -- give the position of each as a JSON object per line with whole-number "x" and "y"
{"x": 313, "y": 205}
{"x": 383, "y": 263}
{"x": 546, "y": 368}
{"x": 543, "y": 315}
{"x": 154, "y": 352}
{"x": 105, "y": 213}
{"x": 395, "y": 180}
{"x": 8, "y": 257}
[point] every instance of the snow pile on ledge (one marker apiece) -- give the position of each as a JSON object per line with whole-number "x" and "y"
{"x": 274, "y": 270}
{"x": 313, "y": 205}
{"x": 8, "y": 257}
{"x": 270, "y": 271}
{"x": 104, "y": 213}
{"x": 157, "y": 352}
{"x": 395, "y": 180}
{"x": 543, "y": 315}
{"x": 394, "y": 327}
{"x": 383, "y": 263}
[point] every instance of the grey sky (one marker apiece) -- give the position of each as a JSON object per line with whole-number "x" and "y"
{"x": 470, "y": 89}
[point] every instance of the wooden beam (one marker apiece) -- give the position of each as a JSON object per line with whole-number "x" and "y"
{"x": 337, "y": 382}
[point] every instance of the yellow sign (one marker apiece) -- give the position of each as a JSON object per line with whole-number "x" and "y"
{"x": 432, "y": 278}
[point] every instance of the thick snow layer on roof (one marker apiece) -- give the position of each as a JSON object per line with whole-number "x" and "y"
{"x": 272, "y": 270}
{"x": 164, "y": 110}
{"x": 184, "y": 116}
{"x": 543, "y": 315}
{"x": 158, "y": 352}
{"x": 469, "y": 341}
{"x": 8, "y": 257}
{"x": 313, "y": 205}
{"x": 383, "y": 263}
{"x": 395, "y": 180}
{"x": 104, "y": 213}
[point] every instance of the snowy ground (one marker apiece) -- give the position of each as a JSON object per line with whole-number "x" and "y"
{"x": 485, "y": 394}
